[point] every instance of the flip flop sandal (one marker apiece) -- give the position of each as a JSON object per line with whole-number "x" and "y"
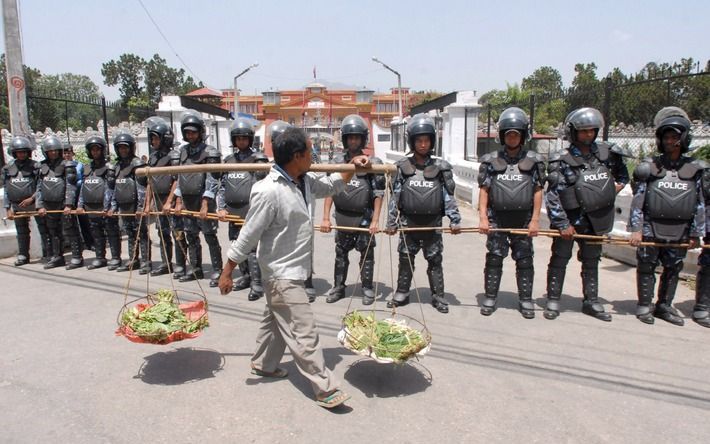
{"x": 278, "y": 373}
{"x": 333, "y": 400}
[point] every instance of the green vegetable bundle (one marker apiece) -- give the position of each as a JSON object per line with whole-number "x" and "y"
{"x": 385, "y": 339}
{"x": 162, "y": 320}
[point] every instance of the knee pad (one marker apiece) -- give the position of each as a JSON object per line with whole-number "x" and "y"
{"x": 645, "y": 268}
{"x": 435, "y": 261}
{"x": 494, "y": 261}
{"x": 558, "y": 261}
{"x": 524, "y": 263}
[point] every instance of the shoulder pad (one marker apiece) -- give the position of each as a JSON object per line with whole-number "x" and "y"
{"x": 376, "y": 161}
{"x": 183, "y": 154}
{"x": 642, "y": 172}
{"x": 443, "y": 165}
{"x": 554, "y": 178}
{"x": 703, "y": 164}
{"x": 137, "y": 162}
{"x": 555, "y": 157}
{"x": 537, "y": 156}
{"x": 231, "y": 158}
{"x": 339, "y": 158}
{"x": 689, "y": 170}
{"x": 260, "y": 158}
{"x": 621, "y": 151}
{"x": 486, "y": 158}
{"x": 212, "y": 151}
{"x": 405, "y": 165}
{"x": 68, "y": 164}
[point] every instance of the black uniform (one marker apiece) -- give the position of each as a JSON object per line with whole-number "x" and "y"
{"x": 233, "y": 196}
{"x": 668, "y": 207}
{"x": 354, "y": 208}
{"x": 511, "y": 183}
{"x": 96, "y": 195}
{"x": 701, "y": 311}
{"x": 129, "y": 199}
{"x": 192, "y": 188}
{"x": 581, "y": 193}
{"x": 57, "y": 190}
{"x": 20, "y": 179}
{"x": 421, "y": 195}
{"x": 170, "y": 227}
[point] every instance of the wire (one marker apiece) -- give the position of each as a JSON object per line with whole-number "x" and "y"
{"x": 168, "y": 42}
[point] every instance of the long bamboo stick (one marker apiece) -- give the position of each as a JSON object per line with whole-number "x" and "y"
{"x": 225, "y": 167}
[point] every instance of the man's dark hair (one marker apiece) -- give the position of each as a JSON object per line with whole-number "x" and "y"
{"x": 290, "y": 142}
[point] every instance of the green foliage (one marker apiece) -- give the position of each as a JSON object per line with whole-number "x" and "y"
{"x": 702, "y": 153}
{"x": 143, "y": 81}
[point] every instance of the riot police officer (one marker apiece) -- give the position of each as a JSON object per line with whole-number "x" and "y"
{"x": 701, "y": 311}
{"x": 196, "y": 192}
{"x": 129, "y": 201}
{"x": 511, "y": 182}
{"x": 161, "y": 138}
{"x": 57, "y": 191}
{"x": 668, "y": 207}
{"x": 583, "y": 181}
{"x": 96, "y": 195}
{"x": 233, "y": 198}
{"x": 423, "y": 192}
{"x": 20, "y": 177}
{"x": 357, "y": 206}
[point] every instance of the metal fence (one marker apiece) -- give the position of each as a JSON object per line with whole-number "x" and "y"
{"x": 628, "y": 108}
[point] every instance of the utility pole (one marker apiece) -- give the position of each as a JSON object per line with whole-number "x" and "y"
{"x": 16, "y": 91}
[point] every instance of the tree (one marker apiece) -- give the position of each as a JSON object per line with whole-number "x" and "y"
{"x": 545, "y": 81}
{"x": 127, "y": 73}
{"x": 71, "y": 86}
{"x": 586, "y": 89}
{"x": 142, "y": 81}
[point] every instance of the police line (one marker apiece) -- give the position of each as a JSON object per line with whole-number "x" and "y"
{"x": 226, "y": 167}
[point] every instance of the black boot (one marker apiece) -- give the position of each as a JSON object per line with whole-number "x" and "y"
{"x": 215, "y": 259}
{"x": 645, "y": 283}
{"x": 133, "y": 262}
{"x": 77, "y": 259}
{"x": 166, "y": 252}
{"x": 404, "y": 281}
{"x": 524, "y": 275}
{"x": 590, "y": 288}
{"x": 243, "y": 281}
{"x": 257, "y": 290}
{"x": 436, "y": 285}
{"x": 492, "y": 273}
{"x": 555, "y": 279}
{"x": 340, "y": 275}
{"x": 366, "y": 277}
{"x": 54, "y": 262}
{"x": 145, "y": 264}
{"x": 99, "y": 247}
{"x": 666, "y": 293}
{"x": 194, "y": 271}
{"x": 23, "y": 249}
{"x": 180, "y": 251}
{"x": 114, "y": 243}
{"x": 701, "y": 311}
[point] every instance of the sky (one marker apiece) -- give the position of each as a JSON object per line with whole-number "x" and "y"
{"x": 442, "y": 46}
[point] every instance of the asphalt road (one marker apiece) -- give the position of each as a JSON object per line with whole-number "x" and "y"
{"x": 65, "y": 377}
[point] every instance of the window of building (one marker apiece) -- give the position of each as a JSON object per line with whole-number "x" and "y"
{"x": 383, "y": 138}
{"x": 347, "y": 98}
{"x": 285, "y": 99}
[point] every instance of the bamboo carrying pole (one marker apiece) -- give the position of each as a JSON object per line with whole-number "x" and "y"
{"x": 225, "y": 167}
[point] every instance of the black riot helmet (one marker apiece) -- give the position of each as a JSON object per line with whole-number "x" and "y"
{"x": 354, "y": 125}
{"x": 124, "y": 138}
{"x": 52, "y": 143}
{"x": 162, "y": 130}
{"x": 421, "y": 124}
{"x": 20, "y": 143}
{"x": 672, "y": 118}
{"x": 513, "y": 119}
{"x": 192, "y": 121}
{"x": 241, "y": 127}
{"x": 276, "y": 129}
{"x": 581, "y": 119}
{"x": 98, "y": 141}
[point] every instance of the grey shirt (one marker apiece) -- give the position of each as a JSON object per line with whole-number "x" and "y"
{"x": 280, "y": 220}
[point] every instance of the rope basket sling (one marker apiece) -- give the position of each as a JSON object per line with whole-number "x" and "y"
{"x": 161, "y": 317}
{"x": 384, "y": 336}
